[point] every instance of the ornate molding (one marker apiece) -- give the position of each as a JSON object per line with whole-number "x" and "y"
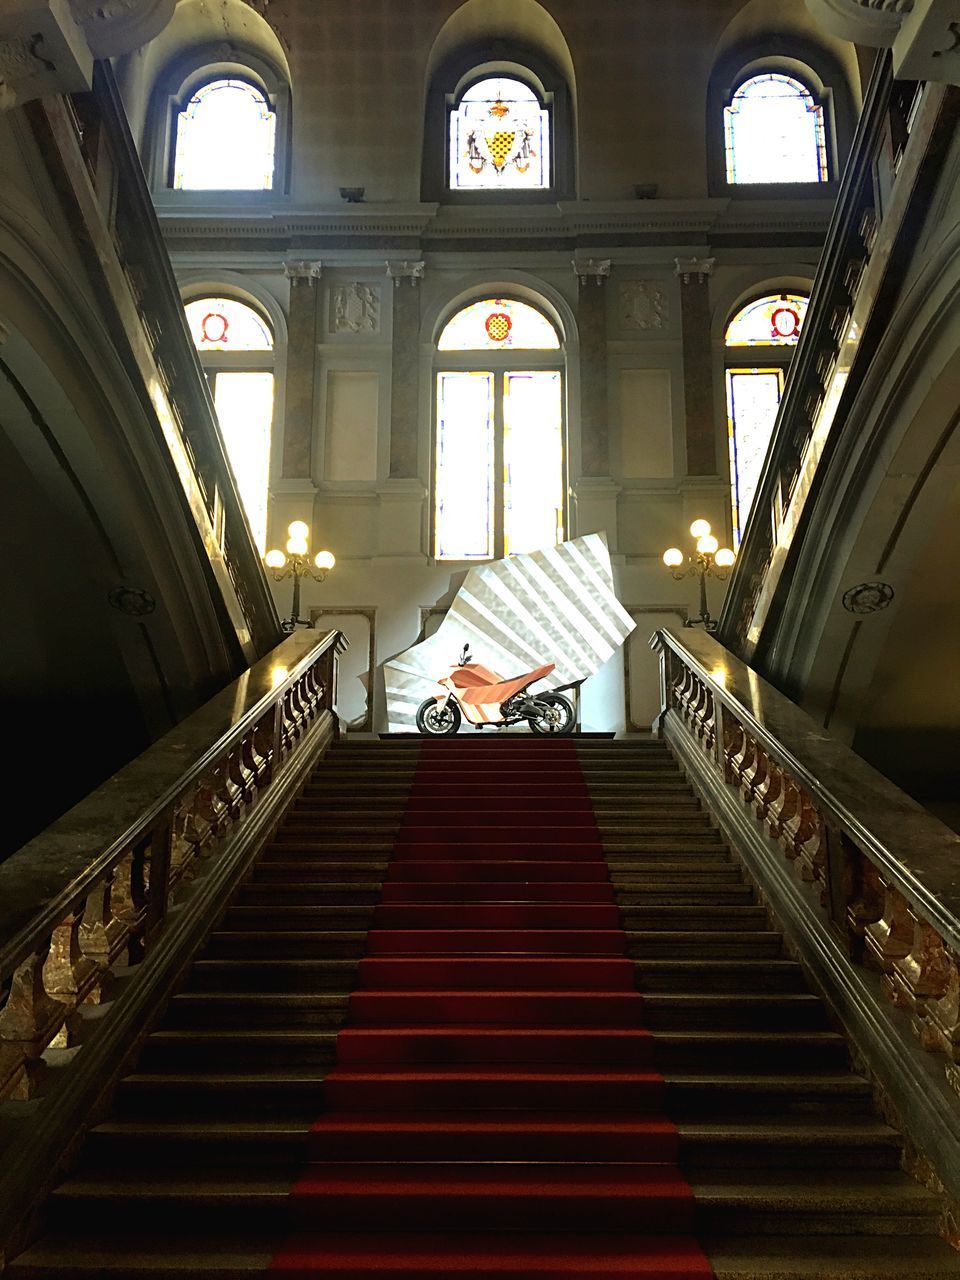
{"x": 356, "y": 308}
{"x": 923, "y": 34}
{"x": 49, "y": 47}
{"x": 412, "y": 271}
{"x": 643, "y": 306}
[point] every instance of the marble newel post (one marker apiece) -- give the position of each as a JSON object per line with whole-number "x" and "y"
{"x": 301, "y": 367}
{"x": 594, "y": 492}
{"x": 405, "y": 389}
{"x": 694, "y": 276}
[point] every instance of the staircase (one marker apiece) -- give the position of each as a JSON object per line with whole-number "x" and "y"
{"x": 501, "y": 1102}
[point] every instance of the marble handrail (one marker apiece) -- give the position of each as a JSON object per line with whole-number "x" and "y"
{"x": 89, "y": 895}
{"x": 887, "y": 872}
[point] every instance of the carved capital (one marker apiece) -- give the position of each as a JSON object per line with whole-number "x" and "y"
{"x": 412, "y": 271}
{"x": 303, "y": 272}
{"x": 595, "y": 269}
{"x": 694, "y": 268}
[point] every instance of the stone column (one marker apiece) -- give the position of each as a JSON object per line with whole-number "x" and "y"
{"x": 301, "y": 385}
{"x": 405, "y": 368}
{"x": 694, "y": 276}
{"x": 592, "y": 319}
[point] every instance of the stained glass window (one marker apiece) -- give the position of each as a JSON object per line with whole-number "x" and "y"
{"x": 465, "y": 466}
{"x": 753, "y": 398}
{"x": 499, "y": 138}
{"x": 775, "y": 320}
{"x": 226, "y": 139}
{"x": 224, "y": 324}
{"x": 235, "y": 345}
{"x": 533, "y": 460}
{"x": 499, "y": 324}
{"x": 775, "y": 132}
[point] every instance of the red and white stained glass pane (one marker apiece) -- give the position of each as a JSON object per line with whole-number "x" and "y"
{"x": 753, "y": 398}
{"x": 499, "y": 138}
{"x": 244, "y": 404}
{"x": 775, "y": 132}
{"x": 226, "y": 139}
{"x": 775, "y": 320}
{"x": 499, "y": 324}
{"x": 533, "y": 461}
{"x": 465, "y": 465}
{"x": 224, "y": 324}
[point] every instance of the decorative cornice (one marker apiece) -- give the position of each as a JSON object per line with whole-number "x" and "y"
{"x": 49, "y": 46}
{"x": 923, "y": 34}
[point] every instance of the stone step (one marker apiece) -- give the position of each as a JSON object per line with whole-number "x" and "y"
{"x": 755, "y": 1051}
{"x": 271, "y": 974}
{"x": 690, "y": 943}
{"x": 220, "y": 1049}
{"x": 719, "y": 975}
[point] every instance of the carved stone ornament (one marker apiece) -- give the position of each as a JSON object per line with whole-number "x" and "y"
{"x": 356, "y": 308}
{"x": 49, "y": 47}
{"x": 868, "y": 597}
{"x": 595, "y": 269}
{"x": 132, "y": 601}
{"x": 303, "y": 272}
{"x": 411, "y": 271}
{"x": 923, "y": 34}
{"x": 694, "y": 268}
{"x": 643, "y": 306}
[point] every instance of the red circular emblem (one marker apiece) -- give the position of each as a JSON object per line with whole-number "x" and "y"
{"x": 785, "y": 323}
{"x": 498, "y": 325}
{"x": 214, "y": 327}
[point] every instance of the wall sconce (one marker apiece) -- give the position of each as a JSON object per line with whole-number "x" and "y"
{"x": 709, "y": 560}
{"x": 296, "y": 563}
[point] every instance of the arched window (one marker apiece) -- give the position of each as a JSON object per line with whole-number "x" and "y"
{"x": 225, "y": 139}
{"x": 775, "y": 131}
{"x": 759, "y": 344}
{"x": 235, "y": 345}
{"x": 499, "y": 458}
{"x": 499, "y": 138}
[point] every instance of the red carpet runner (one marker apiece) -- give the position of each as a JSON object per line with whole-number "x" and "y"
{"x": 495, "y": 1111}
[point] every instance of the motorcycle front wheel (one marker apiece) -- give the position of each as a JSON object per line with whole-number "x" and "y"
{"x": 559, "y": 717}
{"x": 436, "y": 721}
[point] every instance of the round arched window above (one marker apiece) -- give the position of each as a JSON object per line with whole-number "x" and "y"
{"x": 225, "y": 139}
{"x": 499, "y": 324}
{"x": 224, "y": 324}
{"x": 775, "y": 320}
{"x": 775, "y": 131}
{"x": 499, "y": 138}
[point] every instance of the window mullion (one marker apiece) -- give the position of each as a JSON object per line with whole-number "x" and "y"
{"x": 500, "y": 487}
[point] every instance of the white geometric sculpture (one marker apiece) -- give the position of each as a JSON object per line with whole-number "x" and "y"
{"x": 556, "y": 605}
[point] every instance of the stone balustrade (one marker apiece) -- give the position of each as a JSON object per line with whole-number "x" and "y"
{"x": 882, "y": 869}
{"x": 86, "y": 901}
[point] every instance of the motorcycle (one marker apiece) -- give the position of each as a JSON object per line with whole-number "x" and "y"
{"x": 487, "y": 699}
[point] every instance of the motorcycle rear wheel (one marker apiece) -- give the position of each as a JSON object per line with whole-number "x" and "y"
{"x": 436, "y": 721}
{"x": 561, "y": 720}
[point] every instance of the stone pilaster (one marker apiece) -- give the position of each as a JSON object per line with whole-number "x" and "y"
{"x": 694, "y": 274}
{"x": 592, "y": 321}
{"x": 301, "y": 382}
{"x": 405, "y": 372}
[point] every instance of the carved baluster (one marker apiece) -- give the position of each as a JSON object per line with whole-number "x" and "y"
{"x": 810, "y": 841}
{"x": 743, "y": 759}
{"x": 253, "y": 765}
{"x": 891, "y": 937}
{"x": 939, "y": 1028}
{"x": 241, "y": 775}
{"x": 865, "y": 900}
{"x": 130, "y": 899}
{"x": 226, "y": 792}
{"x": 29, "y": 1020}
{"x": 768, "y": 789}
{"x": 264, "y": 746}
{"x": 733, "y": 741}
{"x": 783, "y": 809}
{"x": 754, "y": 774}
{"x": 103, "y": 934}
{"x": 921, "y": 975}
{"x": 69, "y": 973}
{"x": 709, "y": 723}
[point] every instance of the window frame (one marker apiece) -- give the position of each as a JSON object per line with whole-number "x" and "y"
{"x": 820, "y": 74}
{"x": 456, "y": 77}
{"x": 820, "y": 102}
{"x": 497, "y": 363}
{"x": 172, "y": 94}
